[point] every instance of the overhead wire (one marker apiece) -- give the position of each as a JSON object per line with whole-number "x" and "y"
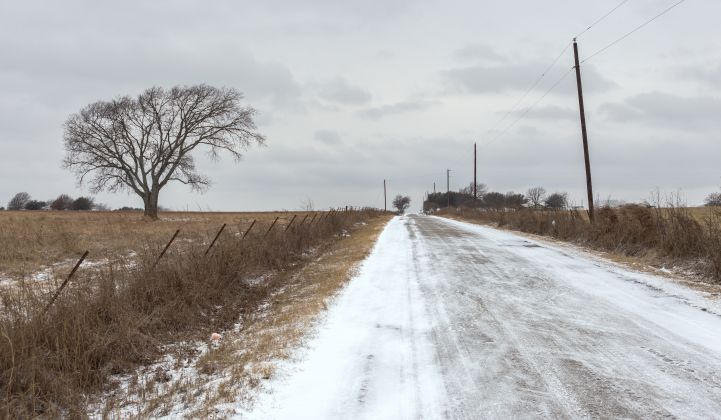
{"x": 602, "y": 18}
{"x": 530, "y": 89}
{"x": 544, "y": 74}
{"x": 530, "y": 108}
{"x": 636, "y": 29}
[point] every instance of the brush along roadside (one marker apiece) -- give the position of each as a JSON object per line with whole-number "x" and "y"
{"x": 110, "y": 321}
{"x": 216, "y": 378}
{"x": 667, "y": 237}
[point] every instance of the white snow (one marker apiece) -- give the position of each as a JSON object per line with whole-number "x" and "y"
{"x": 451, "y": 320}
{"x": 373, "y": 349}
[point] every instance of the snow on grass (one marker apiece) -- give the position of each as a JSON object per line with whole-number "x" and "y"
{"x": 376, "y": 325}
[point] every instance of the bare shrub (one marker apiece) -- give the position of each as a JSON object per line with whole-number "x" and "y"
{"x": 18, "y": 201}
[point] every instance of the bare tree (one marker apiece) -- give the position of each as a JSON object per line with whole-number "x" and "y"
{"x": 63, "y": 202}
{"x": 140, "y": 144}
{"x": 713, "y": 200}
{"x": 515, "y": 201}
{"x": 557, "y": 201}
{"x": 307, "y": 204}
{"x": 401, "y": 203}
{"x": 480, "y": 190}
{"x": 19, "y": 201}
{"x": 536, "y": 195}
{"x": 494, "y": 200}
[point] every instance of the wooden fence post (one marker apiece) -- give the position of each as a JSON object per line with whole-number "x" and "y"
{"x": 165, "y": 249}
{"x": 248, "y": 231}
{"x": 303, "y": 221}
{"x": 215, "y": 239}
{"x": 291, "y": 222}
{"x": 65, "y": 283}
{"x": 271, "y": 225}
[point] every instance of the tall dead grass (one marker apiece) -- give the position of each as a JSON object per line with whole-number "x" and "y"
{"x": 672, "y": 234}
{"x": 119, "y": 316}
{"x": 30, "y": 240}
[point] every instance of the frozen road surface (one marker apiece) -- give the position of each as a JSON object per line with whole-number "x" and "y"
{"x": 452, "y": 320}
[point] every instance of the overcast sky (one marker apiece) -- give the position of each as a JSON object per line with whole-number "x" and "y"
{"x": 351, "y": 92}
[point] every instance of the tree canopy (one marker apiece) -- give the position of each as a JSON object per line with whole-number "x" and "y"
{"x": 141, "y": 144}
{"x": 401, "y": 203}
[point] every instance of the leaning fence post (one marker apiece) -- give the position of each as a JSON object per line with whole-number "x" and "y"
{"x": 65, "y": 283}
{"x": 165, "y": 249}
{"x": 271, "y": 225}
{"x": 215, "y": 239}
{"x": 291, "y": 222}
{"x": 248, "y": 231}
{"x": 303, "y": 221}
{"x": 313, "y": 219}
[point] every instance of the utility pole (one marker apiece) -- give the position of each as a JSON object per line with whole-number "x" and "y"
{"x": 475, "y": 193}
{"x": 589, "y": 185}
{"x": 448, "y": 187}
{"x": 385, "y": 197}
{"x": 434, "y": 187}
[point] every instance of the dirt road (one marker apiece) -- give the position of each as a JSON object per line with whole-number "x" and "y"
{"x": 451, "y": 320}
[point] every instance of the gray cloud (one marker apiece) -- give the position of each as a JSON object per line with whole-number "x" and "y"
{"x": 334, "y": 142}
{"x": 338, "y": 90}
{"x": 707, "y": 76}
{"x": 329, "y": 137}
{"x": 497, "y": 78}
{"x": 382, "y": 111}
{"x": 480, "y": 52}
{"x": 658, "y": 109}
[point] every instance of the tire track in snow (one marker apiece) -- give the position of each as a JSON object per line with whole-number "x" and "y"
{"x": 451, "y": 320}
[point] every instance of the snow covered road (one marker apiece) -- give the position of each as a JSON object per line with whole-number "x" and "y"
{"x": 451, "y": 320}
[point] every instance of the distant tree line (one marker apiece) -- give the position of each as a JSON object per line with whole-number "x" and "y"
{"x": 535, "y": 197}
{"x": 23, "y": 201}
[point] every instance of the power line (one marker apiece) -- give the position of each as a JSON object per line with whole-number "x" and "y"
{"x": 523, "y": 115}
{"x": 530, "y": 89}
{"x": 668, "y": 9}
{"x": 602, "y": 18}
{"x": 547, "y": 70}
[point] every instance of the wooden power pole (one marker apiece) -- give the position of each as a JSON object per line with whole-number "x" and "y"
{"x": 448, "y": 187}
{"x": 475, "y": 192}
{"x": 589, "y": 185}
{"x": 385, "y": 197}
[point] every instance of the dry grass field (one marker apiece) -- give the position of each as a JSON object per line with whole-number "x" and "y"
{"x": 122, "y": 312}
{"x": 34, "y": 240}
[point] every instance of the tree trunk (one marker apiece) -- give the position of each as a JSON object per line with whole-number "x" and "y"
{"x": 151, "y": 204}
